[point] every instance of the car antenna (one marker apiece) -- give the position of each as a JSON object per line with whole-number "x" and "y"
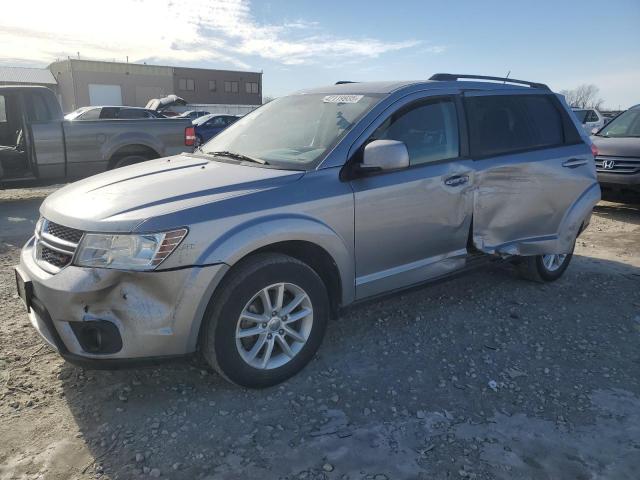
{"x": 505, "y": 78}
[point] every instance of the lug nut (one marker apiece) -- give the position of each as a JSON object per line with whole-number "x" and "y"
{"x": 269, "y": 336}
{"x": 264, "y": 325}
{"x": 281, "y": 331}
{"x": 273, "y": 314}
{"x": 285, "y": 318}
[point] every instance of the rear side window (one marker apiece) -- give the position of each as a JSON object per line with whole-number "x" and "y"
{"x": 37, "y": 110}
{"x": 132, "y": 113}
{"x": 109, "y": 113}
{"x": 92, "y": 114}
{"x": 429, "y": 131}
{"x": 510, "y": 123}
{"x": 3, "y": 110}
{"x": 591, "y": 116}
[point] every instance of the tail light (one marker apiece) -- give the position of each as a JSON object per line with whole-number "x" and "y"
{"x": 594, "y": 150}
{"x": 190, "y": 136}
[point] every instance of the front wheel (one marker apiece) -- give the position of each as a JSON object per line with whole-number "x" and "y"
{"x": 544, "y": 268}
{"x": 266, "y": 322}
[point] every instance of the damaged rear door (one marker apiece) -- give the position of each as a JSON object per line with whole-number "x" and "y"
{"x": 535, "y": 180}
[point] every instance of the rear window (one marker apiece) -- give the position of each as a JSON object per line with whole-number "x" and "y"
{"x": 510, "y": 123}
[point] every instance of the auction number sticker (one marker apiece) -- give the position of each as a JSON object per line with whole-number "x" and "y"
{"x": 342, "y": 98}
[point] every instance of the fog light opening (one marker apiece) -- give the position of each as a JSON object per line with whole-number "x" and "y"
{"x": 97, "y": 336}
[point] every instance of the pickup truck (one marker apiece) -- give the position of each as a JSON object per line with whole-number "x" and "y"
{"x": 36, "y": 142}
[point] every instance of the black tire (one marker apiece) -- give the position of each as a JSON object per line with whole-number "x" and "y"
{"x": 218, "y": 340}
{"x": 128, "y": 160}
{"x": 533, "y": 268}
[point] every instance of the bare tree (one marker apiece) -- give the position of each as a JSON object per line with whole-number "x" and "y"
{"x": 583, "y": 96}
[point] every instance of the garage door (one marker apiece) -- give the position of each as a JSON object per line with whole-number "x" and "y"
{"x": 105, "y": 94}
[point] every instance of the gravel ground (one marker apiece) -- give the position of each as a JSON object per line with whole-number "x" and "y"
{"x": 483, "y": 376}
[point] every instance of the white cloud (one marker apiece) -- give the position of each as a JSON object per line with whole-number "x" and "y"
{"x": 199, "y": 30}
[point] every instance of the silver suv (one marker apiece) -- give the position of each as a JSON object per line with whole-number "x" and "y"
{"x": 243, "y": 249}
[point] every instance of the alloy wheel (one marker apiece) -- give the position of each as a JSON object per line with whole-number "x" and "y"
{"x": 554, "y": 261}
{"x": 274, "y": 326}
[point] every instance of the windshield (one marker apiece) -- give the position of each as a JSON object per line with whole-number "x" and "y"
{"x": 626, "y": 124}
{"x": 295, "y": 131}
{"x": 581, "y": 114}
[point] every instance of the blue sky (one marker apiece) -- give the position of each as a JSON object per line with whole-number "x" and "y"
{"x": 561, "y": 43}
{"x": 304, "y": 43}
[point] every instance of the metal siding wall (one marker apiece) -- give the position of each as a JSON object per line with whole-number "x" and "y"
{"x": 139, "y": 83}
{"x": 202, "y": 95}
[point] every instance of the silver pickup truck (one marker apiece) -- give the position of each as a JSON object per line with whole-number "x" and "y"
{"x": 37, "y": 143}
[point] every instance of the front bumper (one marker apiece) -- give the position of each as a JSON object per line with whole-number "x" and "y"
{"x": 619, "y": 180}
{"x": 157, "y": 314}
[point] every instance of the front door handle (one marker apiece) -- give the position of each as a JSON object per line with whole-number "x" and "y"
{"x": 456, "y": 180}
{"x": 574, "y": 162}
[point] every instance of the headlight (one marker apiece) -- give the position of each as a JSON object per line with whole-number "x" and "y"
{"x": 127, "y": 251}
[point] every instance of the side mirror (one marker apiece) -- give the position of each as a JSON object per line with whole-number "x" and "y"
{"x": 594, "y": 130}
{"x": 385, "y": 155}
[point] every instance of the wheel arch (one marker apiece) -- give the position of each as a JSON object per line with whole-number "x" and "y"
{"x": 132, "y": 149}
{"x": 304, "y": 239}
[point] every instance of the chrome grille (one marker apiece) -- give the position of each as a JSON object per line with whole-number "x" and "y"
{"x": 54, "y": 258}
{"x": 622, "y": 165}
{"x": 64, "y": 233}
{"x": 55, "y": 245}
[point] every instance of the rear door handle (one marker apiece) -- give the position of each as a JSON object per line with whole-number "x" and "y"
{"x": 456, "y": 180}
{"x": 574, "y": 162}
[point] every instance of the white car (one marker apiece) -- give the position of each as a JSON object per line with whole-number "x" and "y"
{"x": 590, "y": 118}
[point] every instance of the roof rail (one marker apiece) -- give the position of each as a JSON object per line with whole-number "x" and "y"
{"x": 455, "y": 76}
{"x": 342, "y": 82}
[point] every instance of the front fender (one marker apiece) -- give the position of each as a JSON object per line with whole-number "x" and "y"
{"x": 248, "y": 237}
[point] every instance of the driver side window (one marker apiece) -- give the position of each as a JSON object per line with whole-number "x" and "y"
{"x": 429, "y": 130}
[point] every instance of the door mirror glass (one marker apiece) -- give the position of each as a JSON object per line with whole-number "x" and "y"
{"x": 385, "y": 155}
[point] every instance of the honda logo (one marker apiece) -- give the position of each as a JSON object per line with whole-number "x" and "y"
{"x": 608, "y": 164}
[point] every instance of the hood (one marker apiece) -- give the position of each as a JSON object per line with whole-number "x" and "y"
{"x": 120, "y": 200}
{"x": 159, "y": 104}
{"x": 617, "y": 147}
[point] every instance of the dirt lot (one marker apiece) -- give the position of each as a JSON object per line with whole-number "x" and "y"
{"x": 484, "y": 376}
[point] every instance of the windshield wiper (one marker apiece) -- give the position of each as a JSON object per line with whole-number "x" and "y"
{"x": 239, "y": 156}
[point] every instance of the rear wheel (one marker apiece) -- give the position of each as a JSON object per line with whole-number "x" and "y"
{"x": 544, "y": 268}
{"x": 266, "y": 322}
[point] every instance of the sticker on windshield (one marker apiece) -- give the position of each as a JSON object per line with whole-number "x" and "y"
{"x": 342, "y": 98}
